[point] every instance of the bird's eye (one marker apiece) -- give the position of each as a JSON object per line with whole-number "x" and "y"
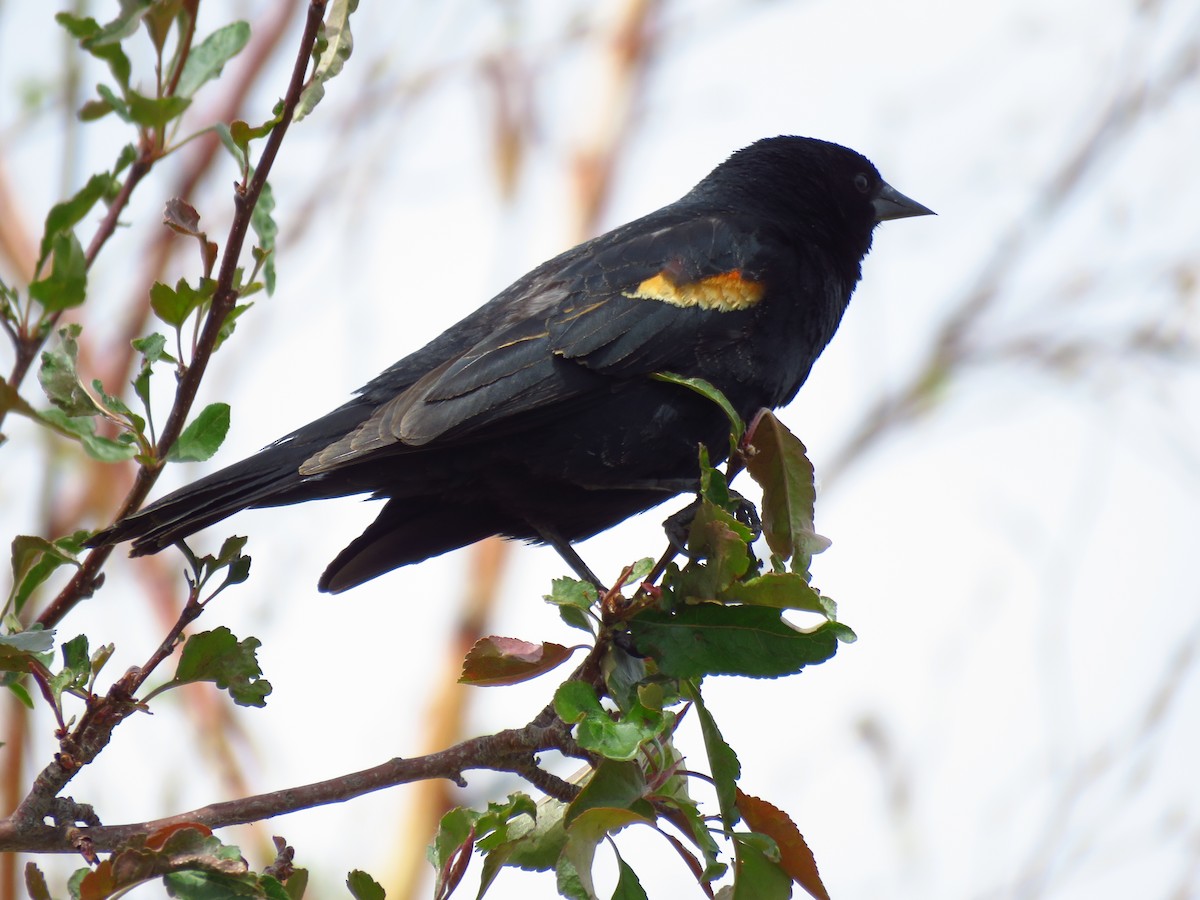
{"x": 862, "y": 183}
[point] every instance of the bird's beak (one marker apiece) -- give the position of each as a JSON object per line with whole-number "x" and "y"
{"x": 889, "y": 203}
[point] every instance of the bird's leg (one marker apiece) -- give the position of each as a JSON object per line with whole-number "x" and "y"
{"x": 569, "y": 556}
{"x": 679, "y": 524}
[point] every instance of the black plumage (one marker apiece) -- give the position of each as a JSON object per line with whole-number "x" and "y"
{"x": 535, "y": 417}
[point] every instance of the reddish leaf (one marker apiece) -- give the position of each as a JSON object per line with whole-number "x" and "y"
{"x": 500, "y": 660}
{"x": 778, "y": 462}
{"x": 98, "y": 883}
{"x": 158, "y": 839}
{"x": 795, "y": 857}
{"x": 181, "y": 217}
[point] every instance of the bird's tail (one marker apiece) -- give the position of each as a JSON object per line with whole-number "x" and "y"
{"x": 270, "y": 477}
{"x": 409, "y": 530}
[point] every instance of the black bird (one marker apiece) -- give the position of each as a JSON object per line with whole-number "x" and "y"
{"x": 535, "y": 417}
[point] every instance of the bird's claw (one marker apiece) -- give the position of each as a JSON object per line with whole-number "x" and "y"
{"x": 678, "y": 525}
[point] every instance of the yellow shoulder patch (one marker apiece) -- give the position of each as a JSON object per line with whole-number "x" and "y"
{"x": 725, "y": 292}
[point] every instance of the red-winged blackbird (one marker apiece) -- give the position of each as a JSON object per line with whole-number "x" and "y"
{"x": 535, "y": 417}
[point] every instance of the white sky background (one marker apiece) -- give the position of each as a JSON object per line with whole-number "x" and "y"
{"x": 1021, "y": 714}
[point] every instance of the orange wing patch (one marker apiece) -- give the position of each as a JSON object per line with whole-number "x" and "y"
{"x": 725, "y": 292}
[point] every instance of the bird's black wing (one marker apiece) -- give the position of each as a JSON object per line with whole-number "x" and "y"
{"x": 623, "y": 309}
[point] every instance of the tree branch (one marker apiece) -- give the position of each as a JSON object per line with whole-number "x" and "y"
{"x": 511, "y": 750}
{"x": 85, "y": 581}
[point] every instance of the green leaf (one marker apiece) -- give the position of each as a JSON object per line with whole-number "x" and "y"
{"x": 34, "y": 559}
{"x": 263, "y": 223}
{"x": 706, "y": 389}
{"x": 123, "y": 25}
{"x": 574, "y": 870}
{"x": 66, "y": 285}
{"x": 614, "y": 738}
{"x": 778, "y": 462}
{"x": 628, "y": 885}
{"x": 21, "y": 694}
{"x": 83, "y": 429}
{"x": 758, "y": 874}
{"x": 115, "y": 103}
{"x": 219, "y": 657}
{"x": 339, "y": 44}
{"x": 573, "y": 598}
{"x": 615, "y": 784}
{"x": 711, "y": 639}
{"x": 530, "y": 843}
{"x": 782, "y": 590}
{"x": 76, "y": 672}
{"x": 202, "y": 438}
{"x": 208, "y": 58}
{"x": 623, "y": 673}
{"x": 174, "y": 306}
{"x": 66, "y": 215}
{"x": 499, "y": 660}
{"x": 230, "y": 323}
{"x": 153, "y": 112}
{"x": 719, "y": 539}
{"x": 152, "y": 347}
{"x": 722, "y": 761}
{"x": 28, "y": 642}
{"x": 59, "y": 376}
{"x": 84, "y": 29}
{"x": 794, "y": 856}
{"x": 363, "y": 887}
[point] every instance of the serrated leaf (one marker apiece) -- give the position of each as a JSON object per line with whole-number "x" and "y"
{"x": 363, "y": 887}
{"x": 794, "y": 856}
{"x": 35, "y": 883}
{"x": 568, "y": 591}
{"x": 712, "y": 639}
{"x": 500, "y": 660}
{"x": 66, "y": 285}
{"x": 777, "y": 460}
{"x": 219, "y": 657}
{"x": 782, "y": 590}
{"x": 339, "y": 44}
{"x": 203, "y": 437}
{"x": 208, "y": 58}
{"x": 758, "y": 876}
{"x": 722, "y": 761}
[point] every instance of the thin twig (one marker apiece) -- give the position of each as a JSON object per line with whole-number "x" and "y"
{"x": 84, "y": 582}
